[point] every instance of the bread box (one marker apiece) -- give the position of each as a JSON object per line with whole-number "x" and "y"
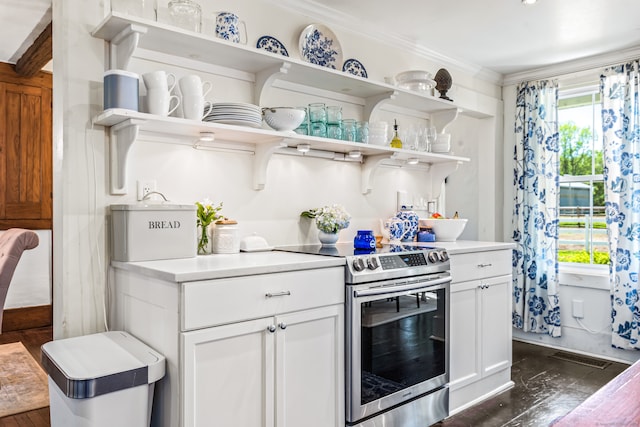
{"x": 144, "y": 232}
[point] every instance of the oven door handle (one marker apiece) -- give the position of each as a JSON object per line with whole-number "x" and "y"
{"x": 426, "y": 284}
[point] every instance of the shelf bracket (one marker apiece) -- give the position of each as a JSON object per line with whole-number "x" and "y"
{"x": 439, "y": 171}
{"x": 263, "y": 155}
{"x": 369, "y": 167}
{"x": 265, "y": 79}
{"x": 442, "y": 119}
{"x": 121, "y": 137}
{"x": 372, "y": 103}
{"x": 122, "y": 46}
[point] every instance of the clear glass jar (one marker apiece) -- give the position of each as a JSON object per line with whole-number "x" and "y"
{"x": 186, "y": 14}
{"x": 334, "y": 115}
{"x": 334, "y": 130}
{"x": 318, "y": 129}
{"x": 362, "y": 132}
{"x": 318, "y": 113}
{"x": 349, "y": 130}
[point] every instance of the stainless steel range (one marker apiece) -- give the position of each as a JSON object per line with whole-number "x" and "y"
{"x": 397, "y": 334}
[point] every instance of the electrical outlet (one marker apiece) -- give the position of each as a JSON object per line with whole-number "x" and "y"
{"x": 577, "y": 308}
{"x": 145, "y": 186}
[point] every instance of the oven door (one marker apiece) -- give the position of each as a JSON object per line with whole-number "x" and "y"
{"x": 397, "y": 342}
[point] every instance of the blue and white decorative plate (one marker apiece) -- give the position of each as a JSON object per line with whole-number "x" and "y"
{"x": 355, "y": 67}
{"x": 272, "y": 44}
{"x": 318, "y": 45}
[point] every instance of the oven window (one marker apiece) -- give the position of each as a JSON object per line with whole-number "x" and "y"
{"x": 403, "y": 342}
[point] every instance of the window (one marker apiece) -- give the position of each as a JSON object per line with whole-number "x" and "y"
{"x": 582, "y": 232}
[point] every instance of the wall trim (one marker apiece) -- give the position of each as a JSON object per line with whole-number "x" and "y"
{"x": 576, "y": 66}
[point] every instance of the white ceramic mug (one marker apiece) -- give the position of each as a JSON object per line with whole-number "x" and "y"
{"x": 193, "y": 91}
{"x": 228, "y": 27}
{"x": 159, "y": 80}
{"x": 159, "y": 102}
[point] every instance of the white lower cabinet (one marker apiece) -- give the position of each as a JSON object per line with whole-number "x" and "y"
{"x": 480, "y": 327}
{"x": 284, "y": 370}
{"x": 264, "y": 350}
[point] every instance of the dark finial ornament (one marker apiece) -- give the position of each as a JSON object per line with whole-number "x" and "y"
{"x": 443, "y": 83}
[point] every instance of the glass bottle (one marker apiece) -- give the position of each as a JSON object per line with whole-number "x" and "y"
{"x": 396, "y": 142}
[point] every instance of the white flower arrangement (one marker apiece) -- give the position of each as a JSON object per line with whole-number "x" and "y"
{"x": 329, "y": 219}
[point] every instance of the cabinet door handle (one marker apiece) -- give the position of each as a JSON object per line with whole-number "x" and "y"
{"x": 282, "y": 325}
{"x": 277, "y": 294}
{"x": 271, "y": 328}
{"x": 484, "y": 265}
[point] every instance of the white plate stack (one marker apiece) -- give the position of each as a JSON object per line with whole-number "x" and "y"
{"x": 235, "y": 113}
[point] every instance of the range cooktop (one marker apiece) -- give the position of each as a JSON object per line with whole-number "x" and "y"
{"x": 347, "y": 249}
{"x": 388, "y": 262}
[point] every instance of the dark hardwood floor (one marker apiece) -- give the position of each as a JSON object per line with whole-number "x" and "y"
{"x": 32, "y": 339}
{"x": 545, "y": 388}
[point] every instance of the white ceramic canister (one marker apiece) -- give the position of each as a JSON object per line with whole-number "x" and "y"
{"x": 225, "y": 237}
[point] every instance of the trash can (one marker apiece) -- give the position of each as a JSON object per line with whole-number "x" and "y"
{"x": 101, "y": 380}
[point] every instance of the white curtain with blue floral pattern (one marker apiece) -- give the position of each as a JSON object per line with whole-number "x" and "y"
{"x": 620, "y": 88}
{"x": 536, "y": 306}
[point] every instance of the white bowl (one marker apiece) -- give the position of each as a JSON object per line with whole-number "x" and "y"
{"x": 283, "y": 118}
{"x": 446, "y": 230}
{"x": 416, "y": 80}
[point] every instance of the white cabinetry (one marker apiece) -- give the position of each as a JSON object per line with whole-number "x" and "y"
{"x": 480, "y": 327}
{"x": 277, "y": 371}
{"x": 125, "y": 34}
{"x": 253, "y": 351}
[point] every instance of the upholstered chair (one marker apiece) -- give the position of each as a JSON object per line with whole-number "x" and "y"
{"x": 12, "y": 243}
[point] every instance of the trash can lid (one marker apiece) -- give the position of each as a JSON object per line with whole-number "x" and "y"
{"x": 91, "y": 365}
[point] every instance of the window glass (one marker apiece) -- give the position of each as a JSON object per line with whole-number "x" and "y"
{"x": 582, "y": 232}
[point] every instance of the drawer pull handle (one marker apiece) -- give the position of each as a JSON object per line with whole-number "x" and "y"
{"x": 484, "y": 265}
{"x": 277, "y": 294}
{"x": 282, "y": 325}
{"x": 271, "y": 328}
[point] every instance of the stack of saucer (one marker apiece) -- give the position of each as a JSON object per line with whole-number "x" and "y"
{"x": 235, "y": 113}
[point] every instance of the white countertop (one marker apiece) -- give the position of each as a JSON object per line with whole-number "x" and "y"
{"x": 219, "y": 266}
{"x": 467, "y": 246}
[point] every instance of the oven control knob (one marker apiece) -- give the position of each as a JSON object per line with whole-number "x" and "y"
{"x": 358, "y": 264}
{"x": 433, "y": 257}
{"x": 444, "y": 256}
{"x": 372, "y": 263}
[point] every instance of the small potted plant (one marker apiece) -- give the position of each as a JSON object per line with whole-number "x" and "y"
{"x": 329, "y": 220}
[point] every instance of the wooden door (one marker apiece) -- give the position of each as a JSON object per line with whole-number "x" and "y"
{"x": 25, "y": 150}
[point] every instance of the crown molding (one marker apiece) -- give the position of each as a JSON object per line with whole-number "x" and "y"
{"x": 335, "y": 18}
{"x": 576, "y": 66}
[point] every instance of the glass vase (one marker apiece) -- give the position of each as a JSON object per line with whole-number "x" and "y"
{"x": 204, "y": 242}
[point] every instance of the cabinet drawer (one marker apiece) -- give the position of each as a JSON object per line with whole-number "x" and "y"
{"x": 215, "y": 302}
{"x": 479, "y": 265}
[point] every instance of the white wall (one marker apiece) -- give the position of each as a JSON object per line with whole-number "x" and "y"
{"x": 185, "y": 175}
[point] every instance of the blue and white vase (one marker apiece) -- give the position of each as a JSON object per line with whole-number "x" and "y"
{"x": 411, "y": 220}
